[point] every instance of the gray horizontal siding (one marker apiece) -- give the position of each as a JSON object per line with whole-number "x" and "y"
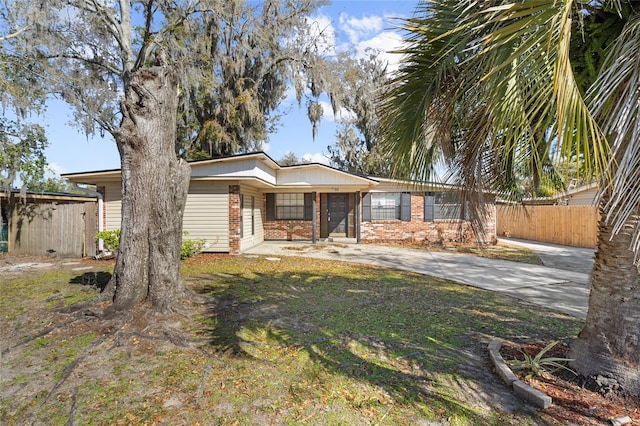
{"x": 112, "y": 205}
{"x": 249, "y": 240}
{"x": 206, "y": 215}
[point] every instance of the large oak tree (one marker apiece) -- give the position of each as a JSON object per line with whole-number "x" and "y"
{"x": 125, "y": 66}
{"x": 22, "y": 143}
{"x": 357, "y": 84}
{"x": 255, "y": 52}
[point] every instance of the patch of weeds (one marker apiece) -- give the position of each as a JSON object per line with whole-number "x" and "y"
{"x": 41, "y": 342}
{"x": 114, "y": 401}
{"x": 84, "y": 340}
{"x": 56, "y": 413}
{"x": 36, "y": 289}
{"x": 21, "y": 379}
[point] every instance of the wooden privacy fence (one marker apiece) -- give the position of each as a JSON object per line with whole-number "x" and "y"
{"x": 67, "y": 230}
{"x": 566, "y": 225}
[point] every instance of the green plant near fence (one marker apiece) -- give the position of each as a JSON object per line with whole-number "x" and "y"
{"x": 189, "y": 247}
{"x": 111, "y": 239}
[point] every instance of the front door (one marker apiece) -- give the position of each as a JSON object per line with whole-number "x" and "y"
{"x": 337, "y": 211}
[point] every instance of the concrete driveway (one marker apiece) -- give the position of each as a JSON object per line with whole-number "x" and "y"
{"x": 562, "y": 284}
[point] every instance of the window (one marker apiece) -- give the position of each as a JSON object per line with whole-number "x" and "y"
{"x": 386, "y": 206}
{"x": 442, "y": 205}
{"x": 289, "y": 206}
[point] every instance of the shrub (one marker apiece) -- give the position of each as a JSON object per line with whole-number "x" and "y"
{"x": 111, "y": 239}
{"x": 189, "y": 247}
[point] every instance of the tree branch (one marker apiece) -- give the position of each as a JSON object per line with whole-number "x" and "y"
{"x": 89, "y": 61}
{"x": 146, "y": 41}
{"x": 15, "y": 34}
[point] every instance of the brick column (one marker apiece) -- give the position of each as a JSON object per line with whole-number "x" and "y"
{"x": 234, "y": 219}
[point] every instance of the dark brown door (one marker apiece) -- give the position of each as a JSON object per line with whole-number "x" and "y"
{"x": 338, "y": 208}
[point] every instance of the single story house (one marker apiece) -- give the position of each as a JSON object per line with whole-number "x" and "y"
{"x": 237, "y": 202}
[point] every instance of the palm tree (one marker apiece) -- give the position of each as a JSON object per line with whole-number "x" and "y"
{"x": 487, "y": 88}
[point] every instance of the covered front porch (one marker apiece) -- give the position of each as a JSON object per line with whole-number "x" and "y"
{"x": 339, "y": 215}
{"x": 314, "y": 217}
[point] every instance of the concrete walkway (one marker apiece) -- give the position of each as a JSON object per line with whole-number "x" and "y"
{"x": 561, "y": 285}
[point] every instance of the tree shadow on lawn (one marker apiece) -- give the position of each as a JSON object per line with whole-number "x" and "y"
{"x": 96, "y": 279}
{"x": 419, "y": 340}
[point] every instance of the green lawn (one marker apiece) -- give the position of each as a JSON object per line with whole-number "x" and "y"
{"x": 295, "y": 341}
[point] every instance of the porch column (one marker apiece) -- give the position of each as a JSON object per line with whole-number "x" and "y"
{"x": 357, "y": 217}
{"x": 314, "y": 219}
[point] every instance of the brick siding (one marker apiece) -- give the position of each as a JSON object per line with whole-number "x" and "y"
{"x": 378, "y": 231}
{"x": 290, "y": 230}
{"x": 418, "y": 230}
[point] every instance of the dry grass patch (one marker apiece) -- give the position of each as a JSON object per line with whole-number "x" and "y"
{"x": 501, "y": 251}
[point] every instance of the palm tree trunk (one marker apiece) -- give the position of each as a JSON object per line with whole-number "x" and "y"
{"x": 608, "y": 347}
{"x": 154, "y": 190}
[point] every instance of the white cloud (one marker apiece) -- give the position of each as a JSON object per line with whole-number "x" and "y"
{"x": 357, "y": 28}
{"x": 289, "y": 98}
{"x": 373, "y": 32}
{"x": 328, "y": 114}
{"x": 325, "y": 34}
{"x": 327, "y": 111}
{"x": 317, "y": 157}
{"x": 346, "y": 114}
{"x": 384, "y": 42}
{"x": 54, "y": 170}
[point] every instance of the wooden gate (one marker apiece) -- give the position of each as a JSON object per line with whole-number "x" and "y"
{"x": 66, "y": 230}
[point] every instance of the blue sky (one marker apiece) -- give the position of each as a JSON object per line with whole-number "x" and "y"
{"x": 356, "y": 23}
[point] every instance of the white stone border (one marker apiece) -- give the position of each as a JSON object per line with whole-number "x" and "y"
{"x": 523, "y": 390}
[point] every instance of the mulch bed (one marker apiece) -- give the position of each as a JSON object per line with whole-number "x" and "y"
{"x": 573, "y": 402}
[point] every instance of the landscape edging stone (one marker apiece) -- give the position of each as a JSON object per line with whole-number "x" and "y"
{"x": 523, "y": 390}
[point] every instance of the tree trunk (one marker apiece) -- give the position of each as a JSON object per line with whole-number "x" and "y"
{"x": 154, "y": 190}
{"x": 608, "y": 347}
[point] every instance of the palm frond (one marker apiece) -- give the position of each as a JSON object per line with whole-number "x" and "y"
{"x": 420, "y": 89}
{"x": 487, "y": 87}
{"x": 616, "y": 100}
